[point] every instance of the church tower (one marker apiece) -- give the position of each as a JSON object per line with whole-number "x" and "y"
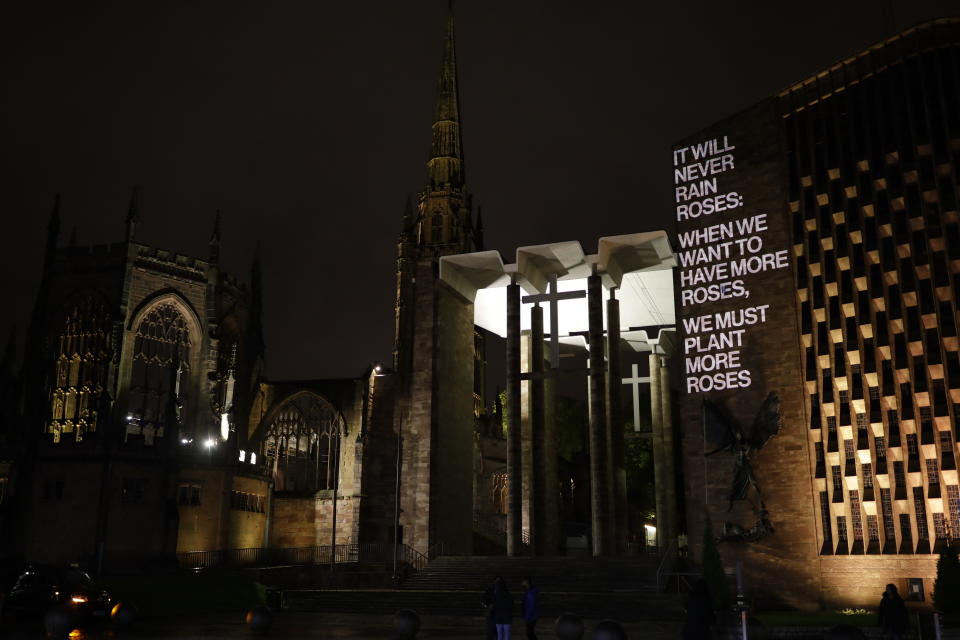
{"x": 435, "y": 348}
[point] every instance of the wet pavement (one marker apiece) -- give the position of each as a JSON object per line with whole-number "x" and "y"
{"x": 318, "y": 626}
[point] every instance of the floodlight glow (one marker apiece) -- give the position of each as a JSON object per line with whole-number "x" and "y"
{"x": 224, "y": 427}
{"x": 376, "y": 369}
{"x": 210, "y": 443}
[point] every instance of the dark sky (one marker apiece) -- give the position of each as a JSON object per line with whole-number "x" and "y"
{"x": 308, "y": 122}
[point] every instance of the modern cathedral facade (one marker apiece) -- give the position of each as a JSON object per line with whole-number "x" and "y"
{"x": 819, "y": 249}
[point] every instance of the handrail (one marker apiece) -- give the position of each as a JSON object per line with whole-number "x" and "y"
{"x": 667, "y": 556}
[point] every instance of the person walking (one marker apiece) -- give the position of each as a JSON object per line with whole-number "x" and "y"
{"x": 530, "y": 607}
{"x": 893, "y": 614}
{"x": 487, "y": 602}
{"x": 502, "y": 609}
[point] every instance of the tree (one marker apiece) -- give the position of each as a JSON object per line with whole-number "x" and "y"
{"x": 946, "y": 588}
{"x": 712, "y": 569}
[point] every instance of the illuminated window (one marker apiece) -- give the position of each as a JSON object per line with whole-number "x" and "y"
{"x": 825, "y": 518}
{"x": 887, "y": 508}
{"x": 953, "y": 502}
{"x": 873, "y": 531}
{"x": 161, "y": 358}
{"x": 857, "y": 517}
{"x": 841, "y": 529}
{"x": 84, "y": 351}
{"x": 933, "y": 471}
{"x": 867, "y": 476}
{"x": 939, "y": 526}
{"x": 919, "y": 505}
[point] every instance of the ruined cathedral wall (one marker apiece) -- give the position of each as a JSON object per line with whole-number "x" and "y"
{"x": 308, "y": 521}
{"x": 452, "y": 508}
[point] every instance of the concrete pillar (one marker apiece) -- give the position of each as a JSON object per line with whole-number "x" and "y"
{"x": 538, "y": 512}
{"x": 615, "y": 440}
{"x": 659, "y": 478}
{"x": 599, "y": 472}
{"x": 669, "y": 454}
{"x": 514, "y": 467}
{"x": 551, "y": 482}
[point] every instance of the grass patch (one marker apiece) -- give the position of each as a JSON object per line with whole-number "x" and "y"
{"x": 175, "y": 594}
{"x": 815, "y": 619}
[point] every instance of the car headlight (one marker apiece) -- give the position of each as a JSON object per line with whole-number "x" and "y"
{"x": 78, "y": 599}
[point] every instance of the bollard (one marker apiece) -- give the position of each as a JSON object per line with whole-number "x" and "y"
{"x": 59, "y": 621}
{"x": 569, "y": 626}
{"x": 260, "y": 619}
{"x": 608, "y": 630}
{"x": 406, "y": 623}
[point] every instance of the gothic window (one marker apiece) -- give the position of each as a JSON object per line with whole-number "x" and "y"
{"x": 499, "y": 493}
{"x": 301, "y": 444}
{"x": 83, "y": 351}
{"x": 161, "y": 363}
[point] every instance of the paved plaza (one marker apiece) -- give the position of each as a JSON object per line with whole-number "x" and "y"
{"x": 315, "y": 626}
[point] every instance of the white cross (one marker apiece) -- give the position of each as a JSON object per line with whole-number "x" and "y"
{"x": 636, "y": 381}
{"x": 553, "y": 297}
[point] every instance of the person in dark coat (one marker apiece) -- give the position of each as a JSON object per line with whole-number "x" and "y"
{"x": 699, "y": 617}
{"x": 530, "y": 607}
{"x": 502, "y": 609}
{"x": 893, "y": 614}
{"x": 487, "y": 602}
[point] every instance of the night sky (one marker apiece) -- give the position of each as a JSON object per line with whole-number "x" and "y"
{"x": 307, "y": 124}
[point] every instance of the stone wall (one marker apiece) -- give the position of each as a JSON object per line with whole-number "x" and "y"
{"x": 307, "y": 521}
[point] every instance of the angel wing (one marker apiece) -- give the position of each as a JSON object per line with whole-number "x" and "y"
{"x": 767, "y": 423}
{"x": 718, "y": 432}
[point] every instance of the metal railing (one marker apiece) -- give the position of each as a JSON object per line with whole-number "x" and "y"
{"x": 667, "y": 562}
{"x": 496, "y": 527}
{"x": 319, "y": 555}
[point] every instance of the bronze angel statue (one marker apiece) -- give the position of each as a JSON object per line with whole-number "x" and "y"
{"x": 721, "y": 433}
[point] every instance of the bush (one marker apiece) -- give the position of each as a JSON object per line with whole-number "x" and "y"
{"x": 946, "y": 588}
{"x": 712, "y": 568}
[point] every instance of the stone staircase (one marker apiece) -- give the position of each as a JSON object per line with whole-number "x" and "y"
{"x": 620, "y": 588}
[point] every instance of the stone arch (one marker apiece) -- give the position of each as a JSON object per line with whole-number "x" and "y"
{"x": 299, "y": 439}
{"x": 164, "y": 346}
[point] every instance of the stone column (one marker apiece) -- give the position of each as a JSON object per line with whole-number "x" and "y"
{"x": 615, "y": 441}
{"x": 656, "y": 424}
{"x": 599, "y": 472}
{"x": 669, "y": 455}
{"x": 514, "y": 467}
{"x": 538, "y": 510}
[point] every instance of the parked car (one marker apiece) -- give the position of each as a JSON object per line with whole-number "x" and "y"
{"x": 40, "y": 587}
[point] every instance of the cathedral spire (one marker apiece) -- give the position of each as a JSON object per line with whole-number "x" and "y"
{"x": 446, "y": 166}
{"x": 133, "y": 213}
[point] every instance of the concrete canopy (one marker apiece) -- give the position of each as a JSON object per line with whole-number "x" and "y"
{"x": 639, "y": 266}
